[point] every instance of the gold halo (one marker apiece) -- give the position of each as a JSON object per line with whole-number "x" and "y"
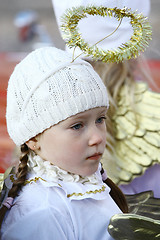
{"x": 131, "y": 49}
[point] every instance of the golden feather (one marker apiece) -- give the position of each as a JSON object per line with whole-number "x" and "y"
{"x": 142, "y": 221}
{"x": 3, "y": 188}
{"x": 137, "y": 135}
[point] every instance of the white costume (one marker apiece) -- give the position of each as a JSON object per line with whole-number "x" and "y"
{"x": 58, "y": 205}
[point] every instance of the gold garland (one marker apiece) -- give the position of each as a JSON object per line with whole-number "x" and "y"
{"x": 137, "y": 43}
{"x": 88, "y": 192}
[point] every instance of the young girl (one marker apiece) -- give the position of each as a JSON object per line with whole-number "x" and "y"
{"x": 56, "y": 111}
{"x": 135, "y": 169}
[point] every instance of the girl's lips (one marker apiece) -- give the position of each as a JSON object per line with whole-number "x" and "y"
{"x": 95, "y": 156}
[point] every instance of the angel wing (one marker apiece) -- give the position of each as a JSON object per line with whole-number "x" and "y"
{"x": 1, "y": 181}
{"x": 4, "y": 187}
{"x": 132, "y": 226}
{"x": 142, "y": 221}
{"x": 144, "y": 204}
{"x": 137, "y": 135}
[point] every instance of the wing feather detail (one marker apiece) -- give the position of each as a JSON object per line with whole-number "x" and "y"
{"x": 136, "y": 127}
{"x": 142, "y": 221}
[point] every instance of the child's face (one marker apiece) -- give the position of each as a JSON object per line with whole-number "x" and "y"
{"x": 77, "y": 143}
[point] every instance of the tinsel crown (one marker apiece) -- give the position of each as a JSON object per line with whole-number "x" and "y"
{"x": 138, "y": 42}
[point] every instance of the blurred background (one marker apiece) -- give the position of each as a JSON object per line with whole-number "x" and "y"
{"x": 28, "y": 24}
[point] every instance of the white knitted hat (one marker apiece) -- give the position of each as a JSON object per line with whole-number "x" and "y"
{"x": 46, "y": 88}
{"x": 95, "y": 28}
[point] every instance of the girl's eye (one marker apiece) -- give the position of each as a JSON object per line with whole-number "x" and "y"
{"x": 100, "y": 120}
{"x": 77, "y": 126}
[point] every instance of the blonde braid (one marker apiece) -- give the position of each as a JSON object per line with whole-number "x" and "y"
{"x": 19, "y": 182}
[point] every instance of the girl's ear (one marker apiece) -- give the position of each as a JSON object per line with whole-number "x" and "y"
{"x": 33, "y": 144}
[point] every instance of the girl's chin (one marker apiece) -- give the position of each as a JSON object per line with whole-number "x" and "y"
{"x": 89, "y": 172}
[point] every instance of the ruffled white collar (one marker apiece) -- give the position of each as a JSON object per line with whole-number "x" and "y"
{"x": 53, "y": 173}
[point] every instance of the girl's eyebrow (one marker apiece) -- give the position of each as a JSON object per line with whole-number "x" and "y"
{"x": 81, "y": 115}
{"x": 104, "y": 111}
{"x": 86, "y": 114}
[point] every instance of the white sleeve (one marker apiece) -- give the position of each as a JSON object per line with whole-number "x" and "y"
{"x": 45, "y": 224}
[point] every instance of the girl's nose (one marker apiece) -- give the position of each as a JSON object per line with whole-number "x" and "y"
{"x": 96, "y": 137}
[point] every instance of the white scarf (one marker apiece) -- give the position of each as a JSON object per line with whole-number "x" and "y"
{"x": 53, "y": 173}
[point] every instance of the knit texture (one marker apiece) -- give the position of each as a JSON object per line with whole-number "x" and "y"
{"x": 46, "y": 88}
